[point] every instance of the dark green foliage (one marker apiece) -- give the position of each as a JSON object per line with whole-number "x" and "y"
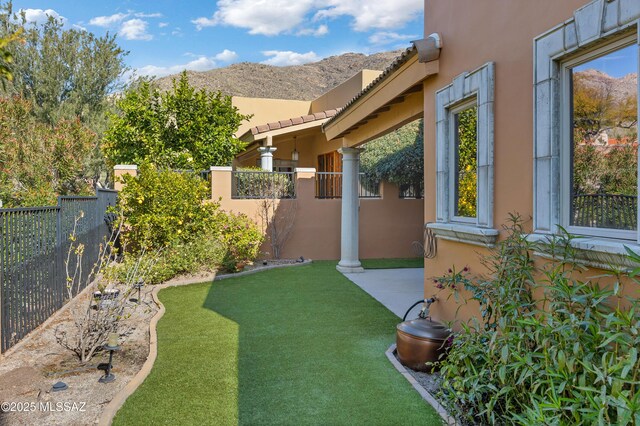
{"x": 38, "y": 162}
{"x": 66, "y": 73}
{"x": 168, "y": 211}
{"x": 397, "y": 157}
{"x": 551, "y": 348}
{"x": 179, "y": 129}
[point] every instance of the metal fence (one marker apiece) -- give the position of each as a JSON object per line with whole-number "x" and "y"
{"x": 33, "y": 247}
{"x": 329, "y": 185}
{"x": 412, "y": 191}
{"x": 605, "y": 211}
{"x": 262, "y": 185}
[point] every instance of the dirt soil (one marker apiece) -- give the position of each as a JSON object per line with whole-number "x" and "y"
{"x": 30, "y": 369}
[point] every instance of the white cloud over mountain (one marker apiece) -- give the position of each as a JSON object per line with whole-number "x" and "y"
{"x": 273, "y": 17}
{"x": 200, "y": 63}
{"x": 282, "y": 58}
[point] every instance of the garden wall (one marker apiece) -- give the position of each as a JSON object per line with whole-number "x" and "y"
{"x": 388, "y": 225}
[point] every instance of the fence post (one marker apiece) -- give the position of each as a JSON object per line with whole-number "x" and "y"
{"x": 221, "y": 182}
{"x": 120, "y": 170}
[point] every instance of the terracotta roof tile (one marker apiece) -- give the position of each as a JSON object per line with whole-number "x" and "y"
{"x": 294, "y": 121}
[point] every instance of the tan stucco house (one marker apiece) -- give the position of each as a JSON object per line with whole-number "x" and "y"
{"x": 516, "y": 68}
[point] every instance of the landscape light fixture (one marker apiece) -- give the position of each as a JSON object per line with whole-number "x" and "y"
{"x": 137, "y": 286}
{"x": 294, "y": 154}
{"x": 111, "y": 346}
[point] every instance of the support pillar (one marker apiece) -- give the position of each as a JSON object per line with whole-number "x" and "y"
{"x": 266, "y": 157}
{"x": 349, "y": 259}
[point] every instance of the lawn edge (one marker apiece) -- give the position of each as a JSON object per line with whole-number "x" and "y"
{"x": 110, "y": 411}
{"x": 442, "y": 412}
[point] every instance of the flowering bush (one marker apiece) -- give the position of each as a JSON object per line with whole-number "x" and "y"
{"x": 168, "y": 210}
{"x": 550, "y": 348}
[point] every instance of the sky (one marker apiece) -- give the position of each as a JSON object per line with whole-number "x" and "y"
{"x": 164, "y": 37}
{"x": 617, "y": 64}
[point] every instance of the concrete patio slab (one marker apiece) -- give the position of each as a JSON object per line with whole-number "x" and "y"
{"x": 397, "y": 289}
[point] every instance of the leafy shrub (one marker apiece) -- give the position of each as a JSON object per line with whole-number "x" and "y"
{"x": 552, "y": 350}
{"x": 202, "y": 254}
{"x": 257, "y": 183}
{"x": 241, "y": 239}
{"x": 397, "y": 158}
{"x": 167, "y": 210}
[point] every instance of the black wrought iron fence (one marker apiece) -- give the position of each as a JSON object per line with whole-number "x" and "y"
{"x": 262, "y": 185}
{"x": 412, "y": 191}
{"x": 329, "y": 185}
{"x": 605, "y": 211}
{"x": 34, "y": 243}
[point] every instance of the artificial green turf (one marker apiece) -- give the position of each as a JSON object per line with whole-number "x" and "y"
{"x": 416, "y": 262}
{"x": 290, "y": 346}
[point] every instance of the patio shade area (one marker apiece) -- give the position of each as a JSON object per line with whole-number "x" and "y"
{"x": 301, "y": 345}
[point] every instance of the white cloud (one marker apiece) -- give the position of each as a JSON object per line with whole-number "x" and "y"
{"x": 39, "y": 16}
{"x": 367, "y": 15}
{"x": 273, "y": 17}
{"x": 135, "y": 29}
{"x": 266, "y": 17}
{"x": 148, "y": 15}
{"x": 200, "y": 64}
{"x": 226, "y": 56}
{"x": 163, "y": 24}
{"x": 79, "y": 27}
{"x": 107, "y": 21}
{"x": 384, "y": 38}
{"x": 282, "y": 58}
{"x": 316, "y": 32}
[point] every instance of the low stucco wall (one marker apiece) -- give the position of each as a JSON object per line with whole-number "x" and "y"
{"x": 388, "y": 225}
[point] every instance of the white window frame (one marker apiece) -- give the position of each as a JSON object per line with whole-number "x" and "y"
{"x": 565, "y": 147}
{"x": 475, "y": 87}
{"x": 597, "y": 27}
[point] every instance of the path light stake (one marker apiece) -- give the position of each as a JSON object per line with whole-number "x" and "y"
{"x": 111, "y": 346}
{"x": 138, "y": 286}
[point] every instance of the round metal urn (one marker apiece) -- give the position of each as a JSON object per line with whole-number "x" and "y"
{"x": 420, "y": 341}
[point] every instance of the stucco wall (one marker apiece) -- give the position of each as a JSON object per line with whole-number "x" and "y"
{"x": 267, "y": 110}
{"x": 474, "y": 33}
{"x": 388, "y": 226}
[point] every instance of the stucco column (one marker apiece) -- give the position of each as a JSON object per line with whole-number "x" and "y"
{"x": 349, "y": 262}
{"x": 266, "y": 157}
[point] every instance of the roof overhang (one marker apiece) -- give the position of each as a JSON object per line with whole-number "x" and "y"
{"x": 250, "y": 137}
{"x": 396, "y": 98}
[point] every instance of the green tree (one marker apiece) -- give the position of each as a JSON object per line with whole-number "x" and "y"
{"x": 397, "y": 157}
{"x": 37, "y": 161}
{"x": 181, "y": 129}
{"x": 65, "y": 73}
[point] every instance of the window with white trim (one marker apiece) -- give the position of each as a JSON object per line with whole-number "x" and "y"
{"x": 464, "y": 159}
{"x": 599, "y": 151}
{"x": 585, "y": 144}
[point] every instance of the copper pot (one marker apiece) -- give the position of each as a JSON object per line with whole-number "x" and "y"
{"x": 420, "y": 341}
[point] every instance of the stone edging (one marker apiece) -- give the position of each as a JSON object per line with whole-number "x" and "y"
{"x": 111, "y": 409}
{"x": 446, "y": 417}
